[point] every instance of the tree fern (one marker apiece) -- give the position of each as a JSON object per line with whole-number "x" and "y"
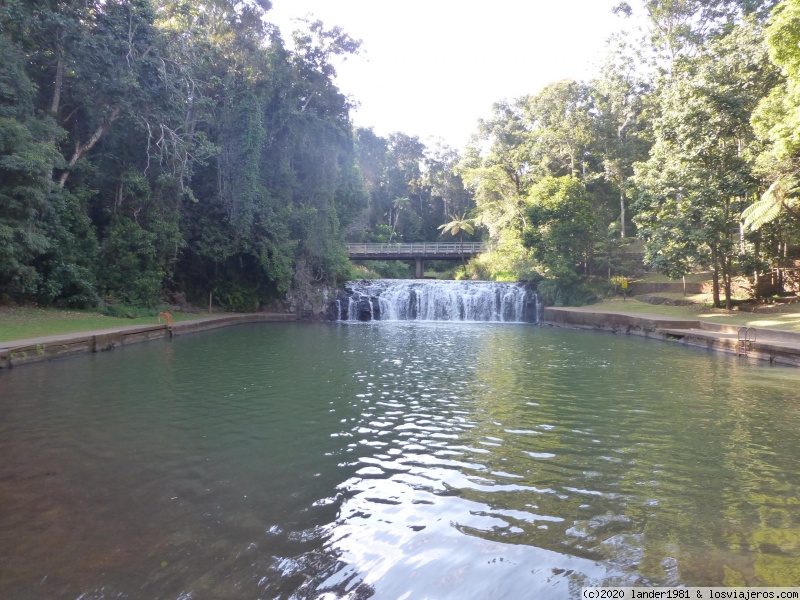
{"x": 779, "y": 197}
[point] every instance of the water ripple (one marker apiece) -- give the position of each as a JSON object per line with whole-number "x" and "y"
{"x": 395, "y": 460}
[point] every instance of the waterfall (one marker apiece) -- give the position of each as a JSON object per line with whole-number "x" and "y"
{"x": 437, "y": 300}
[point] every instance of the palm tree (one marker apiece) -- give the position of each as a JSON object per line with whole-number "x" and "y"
{"x": 458, "y": 225}
{"x": 399, "y": 203}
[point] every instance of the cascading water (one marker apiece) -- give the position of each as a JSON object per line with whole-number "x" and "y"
{"x": 436, "y": 300}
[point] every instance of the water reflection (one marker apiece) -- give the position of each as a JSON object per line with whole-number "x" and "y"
{"x": 395, "y": 460}
{"x": 588, "y": 452}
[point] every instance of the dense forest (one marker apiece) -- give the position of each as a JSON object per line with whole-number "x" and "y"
{"x": 150, "y": 145}
{"x": 154, "y": 149}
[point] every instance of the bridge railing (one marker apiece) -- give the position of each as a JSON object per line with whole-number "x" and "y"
{"x": 417, "y": 248}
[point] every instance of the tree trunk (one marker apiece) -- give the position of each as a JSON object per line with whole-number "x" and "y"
{"x": 728, "y": 299}
{"x": 726, "y": 257}
{"x": 81, "y": 149}
{"x": 726, "y": 278}
{"x": 55, "y": 102}
{"x": 715, "y": 276}
{"x": 589, "y": 257}
{"x": 59, "y": 82}
{"x": 394, "y": 225}
{"x": 622, "y": 213}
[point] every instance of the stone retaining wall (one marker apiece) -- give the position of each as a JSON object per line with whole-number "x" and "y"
{"x": 771, "y": 345}
{"x": 613, "y": 322}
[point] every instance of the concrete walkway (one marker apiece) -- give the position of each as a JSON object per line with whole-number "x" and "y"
{"x": 32, "y": 350}
{"x": 773, "y": 345}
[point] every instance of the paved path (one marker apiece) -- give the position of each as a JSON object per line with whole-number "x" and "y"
{"x": 65, "y": 338}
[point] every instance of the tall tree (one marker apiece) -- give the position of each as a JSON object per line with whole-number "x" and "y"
{"x": 777, "y": 122}
{"x": 558, "y": 127}
{"x": 549, "y": 134}
{"x": 561, "y": 224}
{"x": 622, "y": 127}
{"x": 28, "y": 155}
{"x": 693, "y": 187}
{"x": 682, "y": 27}
{"x": 458, "y": 225}
{"x": 447, "y": 194}
{"x": 398, "y": 205}
{"x": 176, "y": 144}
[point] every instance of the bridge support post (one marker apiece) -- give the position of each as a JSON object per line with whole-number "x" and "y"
{"x": 419, "y": 268}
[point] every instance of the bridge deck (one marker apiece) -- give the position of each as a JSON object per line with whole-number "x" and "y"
{"x": 423, "y": 250}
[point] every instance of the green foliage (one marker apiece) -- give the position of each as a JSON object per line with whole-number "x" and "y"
{"x": 776, "y": 121}
{"x": 589, "y": 133}
{"x": 560, "y": 225}
{"x": 351, "y": 196}
{"x": 680, "y": 28}
{"x": 508, "y": 260}
{"x": 379, "y": 234}
{"x": 457, "y": 225}
{"x": 392, "y": 269}
{"x": 566, "y": 290}
{"x": 559, "y": 233}
{"x": 780, "y": 197}
{"x": 128, "y": 266}
{"x": 692, "y": 189}
{"x": 126, "y": 311}
{"x": 146, "y": 143}
{"x": 149, "y": 144}
{"x": 236, "y": 296}
{"x": 558, "y": 126}
{"x": 67, "y": 270}
{"x": 622, "y": 133}
{"x": 27, "y": 157}
{"x": 410, "y": 188}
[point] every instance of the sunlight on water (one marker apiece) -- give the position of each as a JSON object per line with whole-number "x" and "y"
{"x": 395, "y": 460}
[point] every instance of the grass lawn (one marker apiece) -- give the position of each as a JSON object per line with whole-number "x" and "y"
{"x": 22, "y": 322}
{"x": 700, "y": 277}
{"x": 788, "y": 320}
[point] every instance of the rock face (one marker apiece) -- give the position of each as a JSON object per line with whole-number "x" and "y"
{"x": 534, "y": 308}
{"x": 435, "y": 300}
{"x": 310, "y": 303}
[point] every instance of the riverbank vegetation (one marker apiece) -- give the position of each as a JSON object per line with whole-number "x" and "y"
{"x": 676, "y": 138}
{"x": 168, "y": 151}
{"x": 153, "y": 145}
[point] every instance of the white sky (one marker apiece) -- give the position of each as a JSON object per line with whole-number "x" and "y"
{"x": 432, "y": 68}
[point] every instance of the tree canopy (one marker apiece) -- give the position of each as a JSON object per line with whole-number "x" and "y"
{"x": 153, "y": 148}
{"x": 150, "y": 145}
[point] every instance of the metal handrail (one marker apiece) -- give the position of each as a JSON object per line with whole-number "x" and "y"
{"x": 418, "y": 248}
{"x": 746, "y": 335}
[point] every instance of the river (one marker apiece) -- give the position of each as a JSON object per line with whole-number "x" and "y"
{"x": 395, "y": 460}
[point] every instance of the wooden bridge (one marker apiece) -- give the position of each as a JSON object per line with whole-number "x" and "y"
{"x": 418, "y": 252}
